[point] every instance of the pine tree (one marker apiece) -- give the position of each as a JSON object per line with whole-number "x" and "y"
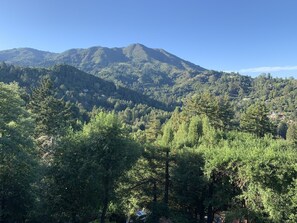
{"x": 52, "y": 116}
{"x": 181, "y": 136}
{"x": 154, "y": 129}
{"x": 291, "y": 135}
{"x": 217, "y": 109}
{"x": 255, "y": 120}
{"x": 195, "y": 130}
{"x": 282, "y": 129}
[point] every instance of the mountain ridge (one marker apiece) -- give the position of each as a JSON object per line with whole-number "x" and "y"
{"x": 135, "y": 52}
{"x": 137, "y": 67}
{"x": 162, "y": 76}
{"x": 78, "y": 87}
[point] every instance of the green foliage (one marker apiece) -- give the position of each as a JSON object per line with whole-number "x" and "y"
{"x": 153, "y": 130}
{"x": 167, "y": 137}
{"x": 188, "y": 182}
{"x": 262, "y": 171}
{"x": 51, "y": 114}
{"x": 86, "y": 168}
{"x": 17, "y": 160}
{"x": 217, "y": 109}
{"x": 255, "y": 120}
{"x": 292, "y": 133}
{"x": 78, "y": 87}
{"x": 142, "y": 186}
{"x": 195, "y": 131}
{"x": 282, "y": 129}
{"x": 182, "y": 165}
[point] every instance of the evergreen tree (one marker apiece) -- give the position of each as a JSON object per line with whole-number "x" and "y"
{"x": 255, "y": 120}
{"x": 195, "y": 131}
{"x": 167, "y": 137}
{"x": 217, "y": 109}
{"x": 154, "y": 129}
{"x": 292, "y": 133}
{"x": 181, "y": 136}
{"x": 282, "y": 129}
{"x": 52, "y": 116}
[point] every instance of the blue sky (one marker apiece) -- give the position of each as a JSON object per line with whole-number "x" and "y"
{"x": 249, "y": 36}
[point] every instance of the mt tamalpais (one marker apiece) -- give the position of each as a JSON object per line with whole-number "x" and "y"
{"x": 156, "y": 73}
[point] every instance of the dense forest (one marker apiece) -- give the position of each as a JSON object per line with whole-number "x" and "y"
{"x": 146, "y": 137}
{"x": 197, "y": 164}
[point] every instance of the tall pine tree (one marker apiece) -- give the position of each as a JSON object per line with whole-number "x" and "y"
{"x": 255, "y": 120}
{"x": 52, "y": 116}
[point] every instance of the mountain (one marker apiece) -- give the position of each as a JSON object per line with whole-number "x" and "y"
{"x": 78, "y": 87}
{"x": 27, "y": 57}
{"x": 95, "y": 58}
{"x": 151, "y": 71}
{"x": 164, "y": 78}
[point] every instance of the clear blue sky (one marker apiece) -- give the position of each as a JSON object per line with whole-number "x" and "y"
{"x": 250, "y": 36}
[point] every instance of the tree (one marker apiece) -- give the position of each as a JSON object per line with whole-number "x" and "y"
{"x": 143, "y": 185}
{"x": 188, "y": 183}
{"x": 181, "y": 136}
{"x": 254, "y": 184}
{"x": 195, "y": 131}
{"x": 217, "y": 109}
{"x": 52, "y": 116}
{"x": 154, "y": 129}
{"x": 282, "y": 129}
{"x": 291, "y": 135}
{"x": 86, "y": 168}
{"x": 255, "y": 120}
{"x": 17, "y": 161}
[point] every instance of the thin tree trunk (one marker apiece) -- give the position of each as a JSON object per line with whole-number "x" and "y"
{"x": 166, "y": 189}
{"x": 103, "y": 214}
{"x": 209, "y": 208}
{"x": 155, "y": 192}
{"x": 201, "y": 213}
{"x": 209, "y": 214}
{"x": 1, "y": 209}
{"x": 105, "y": 201}
{"x": 128, "y": 219}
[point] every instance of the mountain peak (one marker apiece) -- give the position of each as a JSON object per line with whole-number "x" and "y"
{"x": 134, "y": 66}
{"x": 137, "y": 52}
{"x": 95, "y": 56}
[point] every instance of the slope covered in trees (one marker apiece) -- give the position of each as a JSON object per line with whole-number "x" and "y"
{"x": 228, "y": 151}
{"x": 78, "y": 87}
{"x": 186, "y": 169}
{"x": 135, "y": 66}
{"x": 165, "y": 77}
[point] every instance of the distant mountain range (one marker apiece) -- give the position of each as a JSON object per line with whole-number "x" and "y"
{"x": 136, "y": 66}
{"x": 95, "y": 58}
{"x": 143, "y": 75}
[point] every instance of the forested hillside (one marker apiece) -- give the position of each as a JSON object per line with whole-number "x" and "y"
{"x": 197, "y": 166}
{"x": 152, "y": 71}
{"x": 157, "y": 140}
{"x": 88, "y": 91}
{"x": 165, "y": 77}
{"x": 85, "y": 90}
